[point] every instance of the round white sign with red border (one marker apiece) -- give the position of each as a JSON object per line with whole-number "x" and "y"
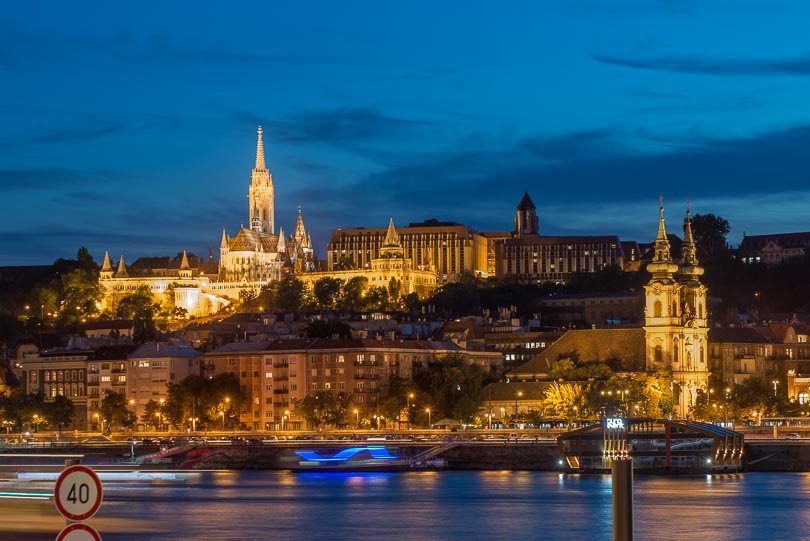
{"x": 77, "y": 493}
{"x": 78, "y": 532}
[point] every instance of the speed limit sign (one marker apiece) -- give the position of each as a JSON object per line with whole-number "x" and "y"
{"x": 77, "y": 493}
{"x": 78, "y": 532}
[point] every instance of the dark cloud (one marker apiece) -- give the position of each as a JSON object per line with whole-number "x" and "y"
{"x": 46, "y": 178}
{"x": 344, "y": 126}
{"x": 799, "y": 66}
{"x": 75, "y": 134}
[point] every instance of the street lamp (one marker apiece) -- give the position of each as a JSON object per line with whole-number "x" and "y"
{"x": 410, "y": 396}
{"x": 286, "y": 417}
{"x": 517, "y": 395}
{"x": 357, "y": 417}
{"x": 775, "y": 384}
{"x": 193, "y": 421}
{"x": 503, "y": 415}
{"x": 430, "y": 425}
{"x": 159, "y": 420}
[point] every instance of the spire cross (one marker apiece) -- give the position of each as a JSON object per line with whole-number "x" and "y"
{"x": 688, "y": 206}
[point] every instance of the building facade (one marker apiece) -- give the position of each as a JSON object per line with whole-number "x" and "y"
{"x": 773, "y": 249}
{"x": 450, "y": 248}
{"x": 530, "y": 257}
{"x": 391, "y": 264}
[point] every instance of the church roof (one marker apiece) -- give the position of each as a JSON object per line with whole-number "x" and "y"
{"x": 526, "y": 202}
{"x": 248, "y": 240}
{"x": 593, "y": 345}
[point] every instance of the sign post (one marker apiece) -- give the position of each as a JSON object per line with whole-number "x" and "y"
{"x": 77, "y": 493}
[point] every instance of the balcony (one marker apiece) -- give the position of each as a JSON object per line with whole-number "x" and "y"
{"x": 280, "y": 364}
{"x": 366, "y": 376}
{"x": 365, "y": 363}
{"x": 281, "y": 391}
{"x": 281, "y": 404}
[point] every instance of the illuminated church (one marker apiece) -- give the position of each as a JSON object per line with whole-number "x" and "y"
{"x": 248, "y": 260}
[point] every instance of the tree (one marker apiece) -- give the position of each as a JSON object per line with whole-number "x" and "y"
{"x": 115, "y": 412}
{"x": 290, "y": 295}
{"x": 209, "y": 400}
{"x": 140, "y": 308}
{"x": 710, "y": 233}
{"x": 351, "y": 298}
{"x": 327, "y": 291}
{"x": 565, "y": 400}
{"x": 152, "y": 414}
{"x": 455, "y": 387}
{"x": 376, "y": 298}
{"x": 327, "y": 408}
{"x": 59, "y": 412}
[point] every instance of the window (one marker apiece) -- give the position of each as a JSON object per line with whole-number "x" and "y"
{"x": 803, "y": 398}
{"x": 105, "y": 378}
{"x": 659, "y": 354}
{"x": 340, "y": 358}
{"x": 657, "y": 310}
{"x": 268, "y": 375}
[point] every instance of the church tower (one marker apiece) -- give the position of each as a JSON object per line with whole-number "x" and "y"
{"x": 526, "y": 222}
{"x": 662, "y": 323}
{"x": 675, "y": 318}
{"x": 261, "y": 194}
{"x": 691, "y": 369}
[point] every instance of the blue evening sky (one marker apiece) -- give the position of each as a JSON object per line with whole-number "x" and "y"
{"x": 131, "y": 127}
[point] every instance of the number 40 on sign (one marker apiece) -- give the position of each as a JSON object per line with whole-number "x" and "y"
{"x": 78, "y": 493}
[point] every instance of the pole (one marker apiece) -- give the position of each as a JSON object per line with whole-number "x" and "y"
{"x": 622, "y": 475}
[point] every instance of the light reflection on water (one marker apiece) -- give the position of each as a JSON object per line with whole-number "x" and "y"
{"x": 447, "y": 505}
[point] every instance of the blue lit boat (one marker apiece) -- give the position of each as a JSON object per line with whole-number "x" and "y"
{"x": 357, "y": 459}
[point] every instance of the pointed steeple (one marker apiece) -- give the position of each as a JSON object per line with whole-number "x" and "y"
{"x": 223, "y": 244}
{"x": 184, "y": 262}
{"x": 526, "y": 221}
{"x": 282, "y": 245}
{"x": 107, "y": 264}
{"x": 122, "y": 269}
{"x": 690, "y": 269}
{"x": 391, "y": 246}
{"x": 300, "y": 231}
{"x": 260, "y": 165}
{"x": 662, "y": 267}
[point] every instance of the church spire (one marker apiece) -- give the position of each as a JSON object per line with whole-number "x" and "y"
{"x": 107, "y": 264}
{"x": 281, "y": 246}
{"x": 391, "y": 246}
{"x": 690, "y": 268}
{"x": 260, "y": 165}
{"x": 122, "y": 269}
{"x": 662, "y": 267}
{"x": 184, "y": 262}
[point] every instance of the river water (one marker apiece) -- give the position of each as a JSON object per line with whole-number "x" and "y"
{"x": 437, "y": 506}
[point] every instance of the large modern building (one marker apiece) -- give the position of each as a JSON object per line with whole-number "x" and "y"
{"x": 530, "y": 257}
{"x": 448, "y": 247}
{"x": 248, "y": 260}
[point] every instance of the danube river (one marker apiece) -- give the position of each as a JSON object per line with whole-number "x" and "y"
{"x": 427, "y": 505}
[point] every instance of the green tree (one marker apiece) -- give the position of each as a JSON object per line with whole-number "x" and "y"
{"x": 412, "y": 303}
{"x": 152, "y": 414}
{"x": 376, "y": 298}
{"x": 59, "y": 412}
{"x": 290, "y": 295}
{"x": 327, "y": 408}
{"x": 327, "y": 292}
{"x": 454, "y": 387}
{"x": 204, "y": 399}
{"x": 116, "y": 412}
{"x": 140, "y": 308}
{"x": 710, "y": 233}
{"x": 351, "y": 298}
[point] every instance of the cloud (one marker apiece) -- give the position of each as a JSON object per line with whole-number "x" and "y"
{"x": 46, "y": 178}
{"x": 344, "y": 126}
{"x": 75, "y": 134}
{"x": 698, "y": 64}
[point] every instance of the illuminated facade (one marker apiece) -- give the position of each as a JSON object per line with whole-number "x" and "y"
{"x": 250, "y": 259}
{"x": 530, "y": 257}
{"x": 391, "y": 264}
{"x": 675, "y": 316}
{"x": 450, "y": 248}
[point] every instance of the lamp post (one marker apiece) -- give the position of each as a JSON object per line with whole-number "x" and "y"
{"x": 193, "y": 421}
{"x": 95, "y": 416}
{"x": 517, "y": 395}
{"x": 430, "y": 425}
{"x": 503, "y": 414}
{"x": 159, "y": 420}
{"x": 410, "y": 396}
{"x": 775, "y": 384}
{"x": 356, "y": 418}
{"x": 36, "y": 423}
{"x": 285, "y": 418}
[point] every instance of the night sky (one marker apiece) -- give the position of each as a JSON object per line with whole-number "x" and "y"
{"x": 131, "y": 128}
